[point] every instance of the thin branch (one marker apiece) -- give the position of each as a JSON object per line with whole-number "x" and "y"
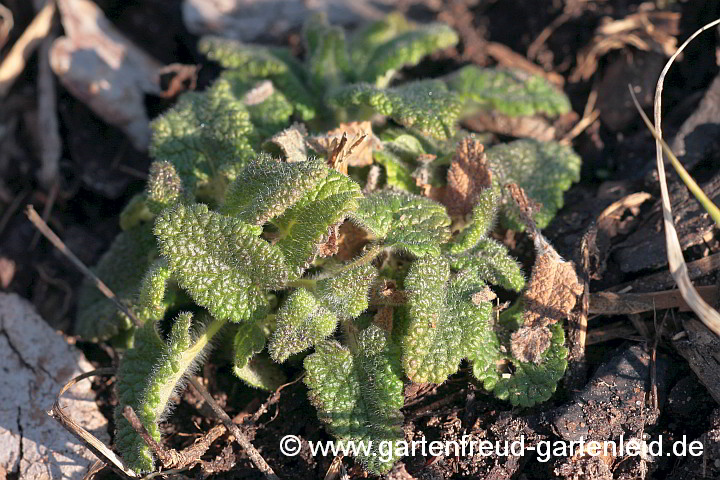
{"x": 240, "y": 437}
{"x": 57, "y": 243}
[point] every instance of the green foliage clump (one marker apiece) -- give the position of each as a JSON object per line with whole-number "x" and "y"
{"x": 293, "y": 257}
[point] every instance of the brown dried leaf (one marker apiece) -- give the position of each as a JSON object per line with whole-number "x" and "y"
{"x": 528, "y": 344}
{"x": 351, "y": 240}
{"x": 356, "y": 151}
{"x": 292, "y": 142}
{"x": 384, "y": 318}
{"x": 469, "y": 174}
{"x": 553, "y": 291}
{"x": 484, "y": 295}
{"x": 331, "y": 246}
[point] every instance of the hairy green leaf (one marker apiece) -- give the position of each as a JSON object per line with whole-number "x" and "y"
{"x": 302, "y": 228}
{"x": 202, "y": 132}
{"x": 406, "y": 50}
{"x": 301, "y": 323}
{"x": 261, "y": 372}
{"x": 543, "y": 169}
{"x": 512, "y": 93}
{"x": 249, "y": 339}
{"x": 257, "y": 62}
{"x": 367, "y": 39}
{"x": 346, "y": 294}
{"x": 405, "y": 222}
{"x": 483, "y": 217}
{"x": 267, "y": 187}
{"x": 164, "y": 186}
{"x": 270, "y": 111}
{"x": 443, "y": 323}
{"x": 397, "y": 172}
{"x": 426, "y": 105}
{"x": 535, "y": 383}
{"x": 122, "y": 269}
{"x": 359, "y": 394}
{"x": 148, "y": 376}
{"x": 219, "y": 260}
{"x": 152, "y": 291}
{"x": 327, "y": 58}
{"x": 490, "y": 261}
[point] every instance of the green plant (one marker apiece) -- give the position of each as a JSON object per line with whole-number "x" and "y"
{"x": 372, "y": 248}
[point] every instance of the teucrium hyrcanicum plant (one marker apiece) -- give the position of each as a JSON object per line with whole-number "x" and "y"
{"x": 370, "y": 255}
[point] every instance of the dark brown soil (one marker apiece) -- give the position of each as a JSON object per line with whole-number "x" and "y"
{"x": 100, "y": 171}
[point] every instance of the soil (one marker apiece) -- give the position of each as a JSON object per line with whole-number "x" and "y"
{"x": 100, "y": 171}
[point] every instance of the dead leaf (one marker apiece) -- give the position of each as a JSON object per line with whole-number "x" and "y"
{"x": 552, "y": 292}
{"x": 259, "y": 93}
{"x": 528, "y": 343}
{"x": 291, "y": 142}
{"x": 535, "y": 127}
{"x": 356, "y": 151}
{"x": 384, "y": 318}
{"x": 106, "y": 71}
{"x": 485, "y": 295}
{"x": 247, "y": 20}
{"x": 469, "y": 174}
{"x": 351, "y": 240}
{"x": 645, "y": 30}
{"x": 331, "y": 246}
{"x": 554, "y": 287}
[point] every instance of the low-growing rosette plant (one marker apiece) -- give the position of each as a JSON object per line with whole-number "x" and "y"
{"x": 324, "y": 212}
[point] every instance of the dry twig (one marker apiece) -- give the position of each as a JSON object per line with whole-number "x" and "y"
{"x": 60, "y": 245}
{"x": 240, "y": 437}
{"x": 14, "y": 63}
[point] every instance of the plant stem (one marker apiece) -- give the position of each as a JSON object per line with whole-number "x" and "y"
{"x": 364, "y": 259}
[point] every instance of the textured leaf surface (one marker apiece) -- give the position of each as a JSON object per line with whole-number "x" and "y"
{"x": 152, "y": 291}
{"x": 359, "y": 395}
{"x": 122, "y": 269}
{"x": 249, "y": 339}
{"x": 508, "y": 92}
{"x": 202, "y": 132}
{"x": 164, "y": 186}
{"x": 303, "y": 227}
{"x": 301, "y": 323}
{"x": 535, "y": 383}
{"x": 397, "y": 172}
{"x": 269, "y": 109}
{"x": 543, "y": 170}
{"x": 425, "y": 105}
{"x": 491, "y": 262}
{"x": 404, "y": 221}
{"x": 261, "y": 372}
{"x": 267, "y": 187}
{"x": 483, "y": 217}
{"x": 256, "y": 62}
{"x": 444, "y": 325}
{"x": 219, "y": 260}
{"x": 367, "y": 39}
{"x": 148, "y": 376}
{"x": 406, "y": 50}
{"x": 346, "y": 294}
{"x": 327, "y": 58}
